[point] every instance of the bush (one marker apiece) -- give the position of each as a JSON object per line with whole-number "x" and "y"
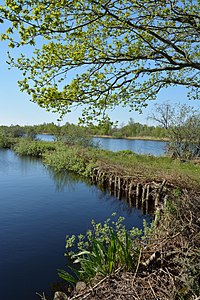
{"x": 69, "y": 159}
{"x": 182, "y": 124}
{"x": 33, "y": 148}
{"x": 6, "y": 141}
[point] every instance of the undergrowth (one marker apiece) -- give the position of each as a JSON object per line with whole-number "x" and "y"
{"x": 163, "y": 263}
{"x": 27, "y": 147}
{"x": 103, "y": 249}
{"x": 72, "y": 159}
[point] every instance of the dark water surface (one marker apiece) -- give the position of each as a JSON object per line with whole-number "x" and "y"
{"x": 37, "y": 210}
{"x": 156, "y": 148}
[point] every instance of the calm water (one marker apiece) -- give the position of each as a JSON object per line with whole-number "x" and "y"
{"x": 37, "y": 210}
{"x": 156, "y": 148}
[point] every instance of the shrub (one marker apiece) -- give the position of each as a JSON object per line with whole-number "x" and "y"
{"x": 6, "y": 141}
{"x": 33, "y": 148}
{"x": 69, "y": 159}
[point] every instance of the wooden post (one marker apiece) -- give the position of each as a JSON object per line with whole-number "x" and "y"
{"x": 110, "y": 181}
{"x": 143, "y": 193}
{"x": 130, "y": 193}
{"x": 119, "y": 183}
{"x": 159, "y": 192}
{"x": 127, "y": 187}
{"x": 147, "y": 198}
{"x": 138, "y": 189}
{"x": 110, "y": 184}
{"x": 119, "y": 188}
{"x": 144, "y": 198}
{"x": 115, "y": 186}
{"x": 94, "y": 175}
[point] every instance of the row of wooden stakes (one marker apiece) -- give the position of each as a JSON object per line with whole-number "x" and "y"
{"x": 148, "y": 196}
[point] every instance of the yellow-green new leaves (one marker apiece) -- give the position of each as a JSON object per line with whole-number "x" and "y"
{"x": 100, "y": 54}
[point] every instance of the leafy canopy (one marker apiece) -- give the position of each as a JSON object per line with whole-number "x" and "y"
{"x": 100, "y": 54}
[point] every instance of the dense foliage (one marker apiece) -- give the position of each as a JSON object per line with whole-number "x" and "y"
{"x": 73, "y": 159}
{"x": 101, "y": 54}
{"x": 27, "y": 147}
{"x": 165, "y": 261}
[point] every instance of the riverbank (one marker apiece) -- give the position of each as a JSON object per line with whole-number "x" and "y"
{"x": 145, "y": 138}
{"x": 126, "y": 163}
{"x": 85, "y": 161}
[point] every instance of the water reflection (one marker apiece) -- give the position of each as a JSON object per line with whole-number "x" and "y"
{"x": 68, "y": 181}
{"x": 64, "y": 180}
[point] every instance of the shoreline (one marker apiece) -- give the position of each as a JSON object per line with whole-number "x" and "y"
{"x": 145, "y": 138}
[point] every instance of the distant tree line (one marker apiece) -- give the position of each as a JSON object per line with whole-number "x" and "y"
{"x": 131, "y": 129}
{"x": 180, "y": 124}
{"x": 106, "y": 127}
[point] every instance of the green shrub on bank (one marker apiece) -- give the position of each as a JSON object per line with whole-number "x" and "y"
{"x": 82, "y": 161}
{"x": 6, "y": 141}
{"x": 33, "y": 148}
{"x": 102, "y": 250}
{"x": 69, "y": 159}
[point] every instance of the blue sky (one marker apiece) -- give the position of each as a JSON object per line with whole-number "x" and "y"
{"x": 16, "y": 107}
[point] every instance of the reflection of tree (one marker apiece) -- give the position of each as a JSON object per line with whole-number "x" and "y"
{"x": 28, "y": 163}
{"x": 64, "y": 180}
{"x": 69, "y": 181}
{"x": 119, "y": 205}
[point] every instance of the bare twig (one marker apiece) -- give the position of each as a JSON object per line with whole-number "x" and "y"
{"x": 138, "y": 263}
{"x": 41, "y": 296}
{"x": 152, "y": 290}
